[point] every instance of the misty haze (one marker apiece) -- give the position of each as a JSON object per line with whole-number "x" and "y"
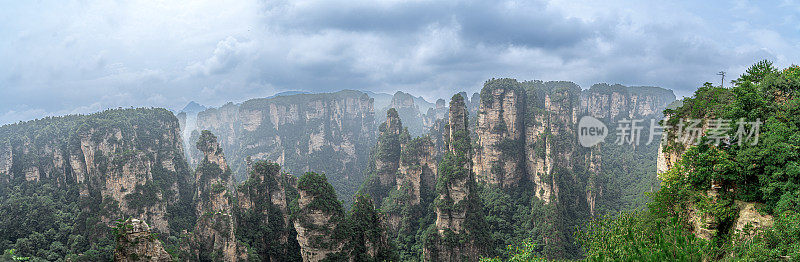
{"x": 355, "y": 131}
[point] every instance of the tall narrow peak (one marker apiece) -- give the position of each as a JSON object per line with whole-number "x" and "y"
{"x": 388, "y": 152}
{"x": 458, "y": 124}
{"x": 215, "y": 232}
{"x": 122, "y": 163}
{"x": 368, "y": 240}
{"x": 262, "y": 213}
{"x": 383, "y": 174}
{"x": 213, "y": 176}
{"x": 459, "y": 233}
{"x": 404, "y": 172}
{"x": 500, "y": 133}
{"x": 319, "y": 219}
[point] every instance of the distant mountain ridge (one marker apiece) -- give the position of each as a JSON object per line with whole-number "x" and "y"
{"x": 193, "y": 107}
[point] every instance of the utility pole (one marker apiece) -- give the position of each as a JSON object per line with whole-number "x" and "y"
{"x": 722, "y": 82}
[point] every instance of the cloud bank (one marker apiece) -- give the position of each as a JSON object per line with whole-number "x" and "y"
{"x": 65, "y": 57}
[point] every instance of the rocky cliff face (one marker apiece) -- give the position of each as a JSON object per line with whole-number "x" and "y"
{"x": 402, "y": 100}
{"x": 329, "y": 133}
{"x": 127, "y": 162}
{"x": 387, "y": 159}
{"x": 319, "y": 219}
{"x": 418, "y": 167}
{"x": 136, "y": 242}
{"x": 434, "y": 114}
{"x": 617, "y": 101}
{"x": 403, "y": 176}
{"x": 458, "y": 211}
{"x": 263, "y": 202}
{"x": 409, "y": 112}
{"x": 525, "y": 145}
{"x": 550, "y": 137}
{"x": 526, "y": 135}
{"x": 526, "y": 131}
{"x": 215, "y": 232}
{"x": 500, "y": 130}
{"x": 703, "y": 224}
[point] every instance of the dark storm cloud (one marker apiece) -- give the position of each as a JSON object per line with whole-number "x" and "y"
{"x": 519, "y": 23}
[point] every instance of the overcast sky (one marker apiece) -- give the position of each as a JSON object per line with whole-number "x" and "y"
{"x": 62, "y": 57}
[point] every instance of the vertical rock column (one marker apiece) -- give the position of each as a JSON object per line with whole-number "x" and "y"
{"x": 387, "y": 160}
{"x": 263, "y": 213}
{"x": 458, "y": 232}
{"x": 552, "y": 117}
{"x": 499, "y": 157}
{"x": 214, "y": 233}
{"x": 319, "y": 219}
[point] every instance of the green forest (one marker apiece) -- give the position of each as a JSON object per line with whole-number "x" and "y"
{"x": 765, "y": 174}
{"x": 728, "y": 195}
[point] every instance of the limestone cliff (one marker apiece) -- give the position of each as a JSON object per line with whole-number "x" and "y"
{"x": 330, "y": 133}
{"x": 526, "y": 131}
{"x": 551, "y": 117}
{"x": 319, "y": 219}
{"x": 418, "y": 167}
{"x": 415, "y": 185}
{"x": 136, "y": 242}
{"x": 704, "y": 223}
{"x": 124, "y": 162}
{"x": 387, "y": 158}
{"x": 434, "y": 113}
{"x": 215, "y": 232}
{"x": 263, "y": 213}
{"x": 498, "y": 157}
{"x": 617, "y": 101}
{"x": 456, "y": 235}
{"x": 417, "y": 114}
{"x": 404, "y": 172}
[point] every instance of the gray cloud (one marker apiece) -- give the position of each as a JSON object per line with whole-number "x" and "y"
{"x": 78, "y": 57}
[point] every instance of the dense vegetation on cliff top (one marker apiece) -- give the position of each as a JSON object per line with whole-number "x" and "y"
{"x": 289, "y": 128}
{"x": 49, "y": 219}
{"x": 359, "y": 234}
{"x": 261, "y": 227}
{"x": 517, "y": 223}
{"x": 766, "y": 173}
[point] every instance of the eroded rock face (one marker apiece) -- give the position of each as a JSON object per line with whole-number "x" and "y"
{"x": 328, "y": 133}
{"x": 500, "y": 130}
{"x": 549, "y": 136}
{"x": 136, "y": 242}
{"x": 318, "y": 218}
{"x": 455, "y": 190}
{"x": 387, "y": 160}
{"x": 439, "y": 112}
{"x": 402, "y": 100}
{"x": 114, "y": 157}
{"x": 401, "y": 164}
{"x": 214, "y": 234}
{"x": 605, "y": 101}
{"x": 418, "y": 167}
{"x": 750, "y": 219}
{"x": 262, "y": 202}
